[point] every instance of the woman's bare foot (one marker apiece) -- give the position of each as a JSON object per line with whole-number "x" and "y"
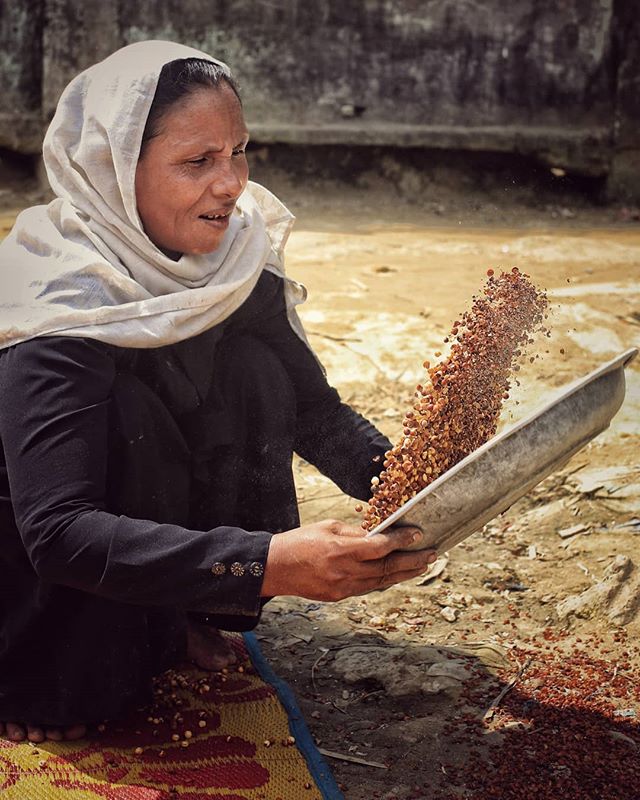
{"x": 16, "y": 732}
{"x": 208, "y": 647}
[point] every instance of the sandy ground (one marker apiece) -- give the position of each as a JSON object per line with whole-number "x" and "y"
{"x": 386, "y": 279}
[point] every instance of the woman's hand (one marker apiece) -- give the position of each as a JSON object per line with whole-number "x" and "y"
{"x": 329, "y": 560}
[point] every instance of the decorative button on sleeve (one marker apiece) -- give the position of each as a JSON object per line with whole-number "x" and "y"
{"x": 256, "y": 569}
{"x": 237, "y": 569}
{"x": 219, "y": 568}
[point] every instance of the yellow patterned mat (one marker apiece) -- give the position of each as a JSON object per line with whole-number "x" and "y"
{"x": 208, "y": 737}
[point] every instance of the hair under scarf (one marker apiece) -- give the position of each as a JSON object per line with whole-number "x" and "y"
{"x": 83, "y": 265}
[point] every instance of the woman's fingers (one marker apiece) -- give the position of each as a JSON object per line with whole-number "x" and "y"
{"x": 404, "y": 572}
{"x": 400, "y": 567}
{"x": 375, "y": 546}
{"x": 382, "y": 544}
{"x": 385, "y": 581}
{"x": 383, "y": 573}
{"x": 397, "y": 562}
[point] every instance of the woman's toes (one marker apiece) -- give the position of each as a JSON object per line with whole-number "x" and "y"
{"x": 75, "y": 732}
{"x": 15, "y": 732}
{"x": 35, "y": 734}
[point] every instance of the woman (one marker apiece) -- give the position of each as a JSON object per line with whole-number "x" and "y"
{"x": 154, "y": 383}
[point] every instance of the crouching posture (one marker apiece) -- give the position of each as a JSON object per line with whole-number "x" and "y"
{"x": 155, "y": 381}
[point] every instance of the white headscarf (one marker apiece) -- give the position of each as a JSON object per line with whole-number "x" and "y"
{"x": 83, "y": 265}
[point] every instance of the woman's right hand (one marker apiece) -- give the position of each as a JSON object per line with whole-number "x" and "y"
{"x": 330, "y": 560}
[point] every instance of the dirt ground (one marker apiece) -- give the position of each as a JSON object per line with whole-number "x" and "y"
{"x": 394, "y": 690}
{"x": 386, "y": 280}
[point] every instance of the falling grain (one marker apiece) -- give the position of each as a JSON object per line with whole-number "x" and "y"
{"x": 457, "y": 409}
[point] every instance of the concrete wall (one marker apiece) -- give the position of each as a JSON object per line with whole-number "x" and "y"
{"x": 558, "y": 81}
{"x": 624, "y": 173}
{"x": 21, "y": 75}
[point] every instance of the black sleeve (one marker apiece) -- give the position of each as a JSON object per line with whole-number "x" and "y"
{"x": 333, "y": 437}
{"x": 54, "y": 404}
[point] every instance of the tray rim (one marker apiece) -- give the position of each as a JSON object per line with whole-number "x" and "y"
{"x": 620, "y": 361}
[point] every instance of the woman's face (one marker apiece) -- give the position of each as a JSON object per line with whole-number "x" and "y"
{"x": 191, "y": 174}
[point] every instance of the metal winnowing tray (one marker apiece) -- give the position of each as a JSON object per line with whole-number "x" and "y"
{"x": 493, "y": 477}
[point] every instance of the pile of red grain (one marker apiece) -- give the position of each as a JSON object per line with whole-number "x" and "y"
{"x": 569, "y": 727}
{"x": 457, "y": 410}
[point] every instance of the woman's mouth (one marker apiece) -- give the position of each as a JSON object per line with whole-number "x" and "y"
{"x": 216, "y": 220}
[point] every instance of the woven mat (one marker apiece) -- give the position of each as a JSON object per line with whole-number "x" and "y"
{"x": 241, "y": 737}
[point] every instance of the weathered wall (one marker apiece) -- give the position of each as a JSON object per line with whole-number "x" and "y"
{"x": 21, "y": 74}
{"x": 555, "y": 80}
{"x": 77, "y": 33}
{"x": 624, "y": 174}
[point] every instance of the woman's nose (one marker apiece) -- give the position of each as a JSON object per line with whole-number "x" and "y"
{"x": 230, "y": 176}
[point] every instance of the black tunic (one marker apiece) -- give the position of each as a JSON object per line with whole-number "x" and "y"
{"x": 137, "y": 486}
